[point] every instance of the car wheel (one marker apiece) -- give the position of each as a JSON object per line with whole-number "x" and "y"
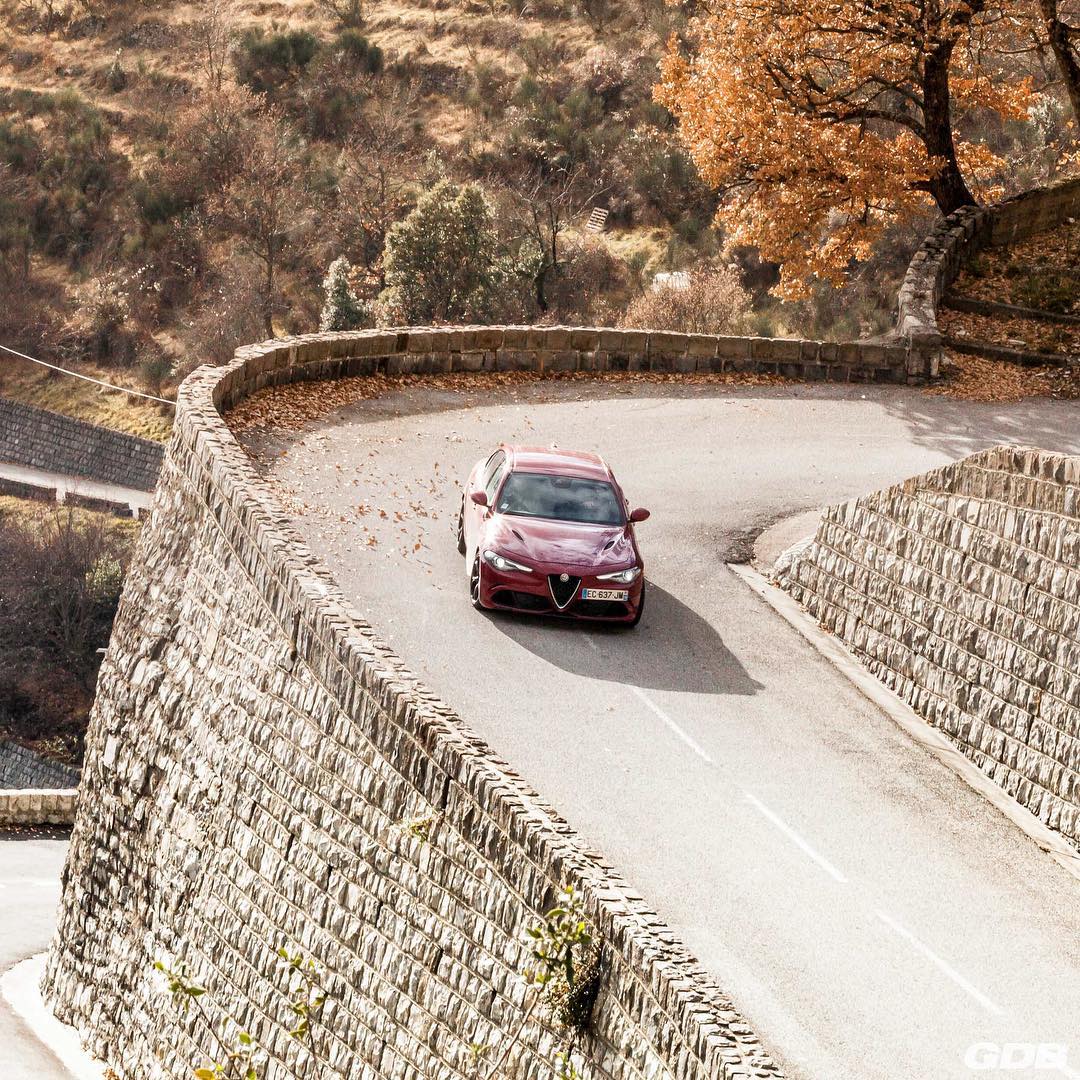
{"x": 474, "y": 584}
{"x": 640, "y": 607}
{"x": 461, "y": 530}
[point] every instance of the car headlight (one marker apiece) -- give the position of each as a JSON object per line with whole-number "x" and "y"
{"x": 501, "y": 562}
{"x": 626, "y": 576}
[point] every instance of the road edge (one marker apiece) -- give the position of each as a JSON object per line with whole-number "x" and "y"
{"x": 930, "y": 738}
{"x": 20, "y": 987}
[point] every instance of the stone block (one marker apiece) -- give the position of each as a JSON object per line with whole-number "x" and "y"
{"x": 775, "y": 349}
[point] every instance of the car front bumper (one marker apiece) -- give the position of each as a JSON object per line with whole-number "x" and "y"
{"x": 541, "y": 593}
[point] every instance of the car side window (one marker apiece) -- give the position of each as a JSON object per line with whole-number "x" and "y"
{"x": 490, "y": 468}
{"x": 493, "y": 470}
{"x": 493, "y": 481}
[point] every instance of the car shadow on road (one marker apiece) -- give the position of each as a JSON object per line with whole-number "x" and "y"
{"x": 673, "y": 648}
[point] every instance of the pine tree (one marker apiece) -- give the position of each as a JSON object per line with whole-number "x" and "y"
{"x": 342, "y": 310}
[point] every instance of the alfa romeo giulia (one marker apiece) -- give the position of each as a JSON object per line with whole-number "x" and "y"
{"x": 549, "y": 531}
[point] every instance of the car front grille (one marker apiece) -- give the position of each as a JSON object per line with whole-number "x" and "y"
{"x": 524, "y": 601}
{"x": 562, "y": 592}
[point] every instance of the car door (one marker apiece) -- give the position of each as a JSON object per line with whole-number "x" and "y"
{"x": 488, "y": 482}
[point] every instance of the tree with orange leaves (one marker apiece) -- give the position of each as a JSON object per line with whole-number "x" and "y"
{"x": 1061, "y": 24}
{"x": 822, "y": 120}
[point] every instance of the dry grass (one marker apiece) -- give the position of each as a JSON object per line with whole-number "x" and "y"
{"x": 33, "y": 385}
{"x": 32, "y": 511}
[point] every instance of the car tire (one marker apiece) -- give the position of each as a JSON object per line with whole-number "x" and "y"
{"x": 640, "y": 607}
{"x": 474, "y": 584}
{"x": 461, "y": 530}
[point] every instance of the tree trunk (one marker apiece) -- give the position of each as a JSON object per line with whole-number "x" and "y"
{"x": 1067, "y": 60}
{"x": 948, "y": 187}
{"x": 541, "y": 298}
{"x": 268, "y": 299}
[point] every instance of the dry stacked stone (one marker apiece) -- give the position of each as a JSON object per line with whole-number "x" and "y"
{"x": 21, "y": 767}
{"x": 956, "y": 240}
{"x": 47, "y": 440}
{"x": 261, "y": 771}
{"x": 960, "y": 590}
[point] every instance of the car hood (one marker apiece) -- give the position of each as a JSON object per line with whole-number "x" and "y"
{"x": 573, "y": 547}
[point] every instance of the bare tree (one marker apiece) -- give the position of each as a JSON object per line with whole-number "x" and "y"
{"x": 548, "y": 201}
{"x": 213, "y": 36}
{"x": 59, "y": 583}
{"x": 1063, "y": 34}
{"x": 379, "y": 168}
{"x": 45, "y": 15}
{"x": 266, "y": 204}
{"x": 209, "y": 139}
{"x": 349, "y": 13}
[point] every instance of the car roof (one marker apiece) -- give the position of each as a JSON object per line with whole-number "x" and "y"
{"x": 558, "y": 462}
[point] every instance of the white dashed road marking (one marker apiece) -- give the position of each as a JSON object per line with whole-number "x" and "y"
{"x": 670, "y": 724}
{"x": 939, "y": 963}
{"x": 795, "y": 838}
{"x": 662, "y": 716}
{"x": 805, "y": 847}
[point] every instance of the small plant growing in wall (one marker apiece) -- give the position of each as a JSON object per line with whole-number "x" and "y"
{"x": 307, "y": 999}
{"x": 238, "y": 1061}
{"x": 565, "y": 973}
{"x": 241, "y": 1059}
{"x": 420, "y": 827}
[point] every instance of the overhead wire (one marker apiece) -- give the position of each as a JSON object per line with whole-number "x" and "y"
{"x": 88, "y": 378}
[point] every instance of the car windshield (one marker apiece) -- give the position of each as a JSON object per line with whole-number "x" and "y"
{"x": 561, "y": 498}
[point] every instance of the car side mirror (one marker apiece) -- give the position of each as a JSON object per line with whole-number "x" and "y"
{"x": 640, "y": 514}
{"x": 479, "y": 497}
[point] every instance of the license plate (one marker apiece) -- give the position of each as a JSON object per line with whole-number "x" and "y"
{"x": 604, "y": 594}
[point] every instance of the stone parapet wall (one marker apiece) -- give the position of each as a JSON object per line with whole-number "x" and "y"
{"x": 46, "y": 440}
{"x": 960, "y": 590}
{"x": 426, "y": 350}
{"x": 261, "y": 771}
{"x": 37, "y": 806}
{"x": 958, "y": 238}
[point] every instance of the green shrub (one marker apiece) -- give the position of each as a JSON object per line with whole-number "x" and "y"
{"x": 116, "y": 77}
{"x": 443, "y": 262}
{"x": 358, "y": 52}
{"x": 341, "y": 310}
{"x": 63, "y": 145}
{"x": 157, "y": 200}
{"x": 267, "y": 61}
{"x": 559, "y": 131}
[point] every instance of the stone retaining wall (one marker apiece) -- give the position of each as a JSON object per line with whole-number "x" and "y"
{"x": 21, "y": 767}
{"x": 262, "y": 771}
{"x": 46, "y": 440}
{"x": 33, "y": 789}
{"x": 957, "y": 239}
{"x": 960, "y": 590}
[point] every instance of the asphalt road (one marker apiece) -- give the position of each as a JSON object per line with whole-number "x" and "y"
{"x": 871, "y": 915}
{"x": 29, "y": 892}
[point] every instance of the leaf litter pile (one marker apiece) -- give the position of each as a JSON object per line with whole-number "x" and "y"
{"x": 289, "y": 407}
{"x": 974, "y": 378}
{"x": 1041, "y": 273}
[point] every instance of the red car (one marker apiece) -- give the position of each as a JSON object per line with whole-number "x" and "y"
{"x": 549, "y": 531}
